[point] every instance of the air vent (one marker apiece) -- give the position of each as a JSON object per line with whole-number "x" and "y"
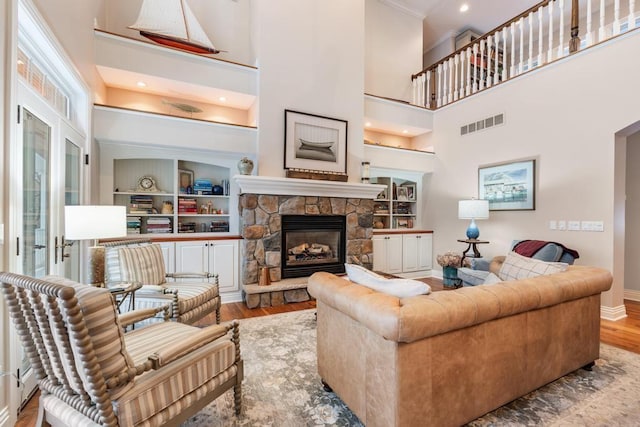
{"x": 483, "y": 124}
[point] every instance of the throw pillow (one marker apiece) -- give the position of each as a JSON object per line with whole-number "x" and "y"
{"x": 516, "y": 267}
{"x": 401, "y": 288}
{"x": 142, "y": 264}
{"x": 491, "y": 279}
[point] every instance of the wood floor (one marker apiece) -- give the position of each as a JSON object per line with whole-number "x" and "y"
{"x": 624, "y": 333}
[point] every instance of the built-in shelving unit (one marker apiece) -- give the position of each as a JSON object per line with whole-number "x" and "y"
{"x": 396, "y": 206}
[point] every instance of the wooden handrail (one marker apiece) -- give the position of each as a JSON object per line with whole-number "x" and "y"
{"x": 484, "y": 36}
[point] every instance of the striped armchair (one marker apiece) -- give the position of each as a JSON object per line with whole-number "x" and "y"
{"x": 90, "y": 372}
{"x": 190, "y": 295}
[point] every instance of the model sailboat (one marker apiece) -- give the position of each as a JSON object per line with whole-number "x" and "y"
{"x": 172, "y": 23}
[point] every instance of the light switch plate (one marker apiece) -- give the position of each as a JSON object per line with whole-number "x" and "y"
{"x": 562, "y": 225}
{"x": 553, "y": 225}
{"x": 574, "y": 226}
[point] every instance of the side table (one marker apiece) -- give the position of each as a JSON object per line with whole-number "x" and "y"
{"x": 472, "y": 245}
{"x": 122, "y": 291}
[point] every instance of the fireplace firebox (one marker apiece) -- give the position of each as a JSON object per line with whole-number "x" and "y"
{"x": 312, "y": 243}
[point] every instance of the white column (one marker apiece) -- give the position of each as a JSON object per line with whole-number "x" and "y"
{"x": 589, "y": 37}
{"x": 498, "y": 59}
{"x": 468, "y": 81}
{"x": 550, "y": 51}
{"x": 602, "y": 30}
{"x": 540, "y": 37}
{"x": 616, "y": 17}
{"x": 561, "y": 31}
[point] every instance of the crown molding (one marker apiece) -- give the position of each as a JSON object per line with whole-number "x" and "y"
{"x": 404, "y": 8}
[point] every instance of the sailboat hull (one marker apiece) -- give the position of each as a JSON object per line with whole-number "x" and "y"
{"x": 178, "y": 44}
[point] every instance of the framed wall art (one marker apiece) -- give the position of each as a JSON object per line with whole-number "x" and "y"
{"x": 315, "y": 142}
{"x": 508, "y": 186}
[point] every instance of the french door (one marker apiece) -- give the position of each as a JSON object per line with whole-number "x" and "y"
{"x": 46, "y": 176}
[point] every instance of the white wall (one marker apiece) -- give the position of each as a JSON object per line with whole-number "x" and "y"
{"x": 439, "y": 51}
{"x": 393, "y": 50}
{"x": 565, "y": 116}
{"x": 226, "y": 22}
{"x": 71, "y": 22}
{"x": 311, "y": 58}
{"x": 632, "y": 221}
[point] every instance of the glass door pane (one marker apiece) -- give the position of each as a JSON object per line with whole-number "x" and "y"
{"x": 72, "y": 179}
{"x": 36, "y": 177}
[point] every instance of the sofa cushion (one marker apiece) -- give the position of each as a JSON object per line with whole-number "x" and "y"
{"x": 549, "y": 253}
{"x": 472, "y": 277}
{"x": 142, "y": 264}
{"x": 516, "y": 267}
{"x": 401, "y": 288}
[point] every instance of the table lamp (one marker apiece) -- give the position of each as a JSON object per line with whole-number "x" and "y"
{"x": 473, "y": 209}
{"x": 86, "y": 222}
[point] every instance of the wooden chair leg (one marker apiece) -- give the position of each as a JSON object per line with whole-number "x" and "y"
{"x": 218, "y": 315}
{"x": 237, "y": 397}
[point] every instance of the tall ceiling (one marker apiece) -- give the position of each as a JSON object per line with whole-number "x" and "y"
{"x": 443, "y": 19}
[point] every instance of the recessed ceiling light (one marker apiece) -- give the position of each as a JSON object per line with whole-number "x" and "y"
{"x": 405, "y": 131}
{"x": 368, "y": 124}
{"x": 141, "y": 84}
{"x": 222, "y": 99}
{"x": 464, "y": 7}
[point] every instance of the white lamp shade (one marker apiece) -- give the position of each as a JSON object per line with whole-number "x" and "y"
{"x": 473, "y": 209}
{"x": 85, "y": 222}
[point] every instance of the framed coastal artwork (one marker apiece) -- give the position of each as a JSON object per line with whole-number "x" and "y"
{"x": 315, "y": 142}
{"x": 508, "y": 186}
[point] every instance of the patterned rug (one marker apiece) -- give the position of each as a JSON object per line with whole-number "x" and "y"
{"x": 282, "y": 387}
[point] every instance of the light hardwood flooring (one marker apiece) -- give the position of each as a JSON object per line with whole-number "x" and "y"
{"x": 624, "y": 333}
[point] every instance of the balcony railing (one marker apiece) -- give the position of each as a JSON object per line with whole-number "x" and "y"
{"x": 551, "y": 30}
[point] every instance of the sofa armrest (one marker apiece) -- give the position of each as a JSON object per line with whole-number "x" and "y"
{"x": 192, "y": 275}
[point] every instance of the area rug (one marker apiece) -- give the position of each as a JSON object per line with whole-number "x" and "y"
{"x": 282, "y": 386}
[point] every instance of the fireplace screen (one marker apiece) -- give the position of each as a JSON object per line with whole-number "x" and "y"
{"x": 312, "y": 243}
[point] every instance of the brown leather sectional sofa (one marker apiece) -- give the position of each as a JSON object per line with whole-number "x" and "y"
{"x": 447, "y": 358}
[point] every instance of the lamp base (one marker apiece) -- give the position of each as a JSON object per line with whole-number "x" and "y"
{"x": 472, "y": 231}
{"x": 95, "y": 266}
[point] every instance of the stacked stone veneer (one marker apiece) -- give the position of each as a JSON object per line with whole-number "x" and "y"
{"x": 260, "y": 223}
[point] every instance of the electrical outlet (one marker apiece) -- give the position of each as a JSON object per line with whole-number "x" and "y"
{"x": 574, "y": 226}
{"x": 553, "y": 225}
{"x": 562, "y": 225}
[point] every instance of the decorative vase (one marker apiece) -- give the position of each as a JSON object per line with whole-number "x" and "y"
{"x": 245, "y": 166}
{"x": 450, "y": 277}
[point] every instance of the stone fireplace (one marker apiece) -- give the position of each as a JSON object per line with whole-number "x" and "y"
{"x": 263, "y": 203}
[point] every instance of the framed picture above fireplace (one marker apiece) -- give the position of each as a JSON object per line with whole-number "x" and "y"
{"x": 315, "y": 143}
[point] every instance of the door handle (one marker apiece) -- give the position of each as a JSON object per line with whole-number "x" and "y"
{"x": 39, "y": 246}
{"x": 61, "y": 247}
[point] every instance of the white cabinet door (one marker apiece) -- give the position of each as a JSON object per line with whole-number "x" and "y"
{"x": 192, "y": 257}
{"x": 223, "y": 260}
{"x": 169, "y": 255}
{"x": 394, "y": 254}
{"x": 410, "y": 252}
{"x": 387, "y": 253}
{"x": 425, "y": 251}
{"x": 416, "y": 252}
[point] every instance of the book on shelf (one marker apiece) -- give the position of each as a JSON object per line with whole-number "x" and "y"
{"x": 141, "y": 204}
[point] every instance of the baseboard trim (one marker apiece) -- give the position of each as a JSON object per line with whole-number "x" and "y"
{"x": 416, "y": 274}
{"x": 632, "y": 294}
{"x": 613, "y": 313}
{"x": 231, "y": 297}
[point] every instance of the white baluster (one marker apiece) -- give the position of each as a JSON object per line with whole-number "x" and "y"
{"x": 497, "y": 60}
{"x": 463, "y": 66}
{"x": 450, "y": 80}
{"x": 475, "y": 61}
{"x": 616, "y": 17}
{"x": 561, "y": 30}
{"x": 456, "y": 61}
{"x": 505, "y": 67}
{"x": 602, "y": 30}
{"x": 521, "y": 64}
{"x": 426, "y": 84}
{"x": 467, "y": 91}
{"x": 482, "y": 65}
{"x": 490, "y": 56}
{"x": 540, "y": 37}
{"x": 589, "y": 39}
{"x": 445, "y": 83}
{"x": 414, "y": 97}
{"x": 530, "y": 62}
{"x": 632, "y": 14}
{"x": 513, "y": 49}
{"x": 439, "y": 87}
{"x": 419, "y": 90}
{"x": 550, "y": 51}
